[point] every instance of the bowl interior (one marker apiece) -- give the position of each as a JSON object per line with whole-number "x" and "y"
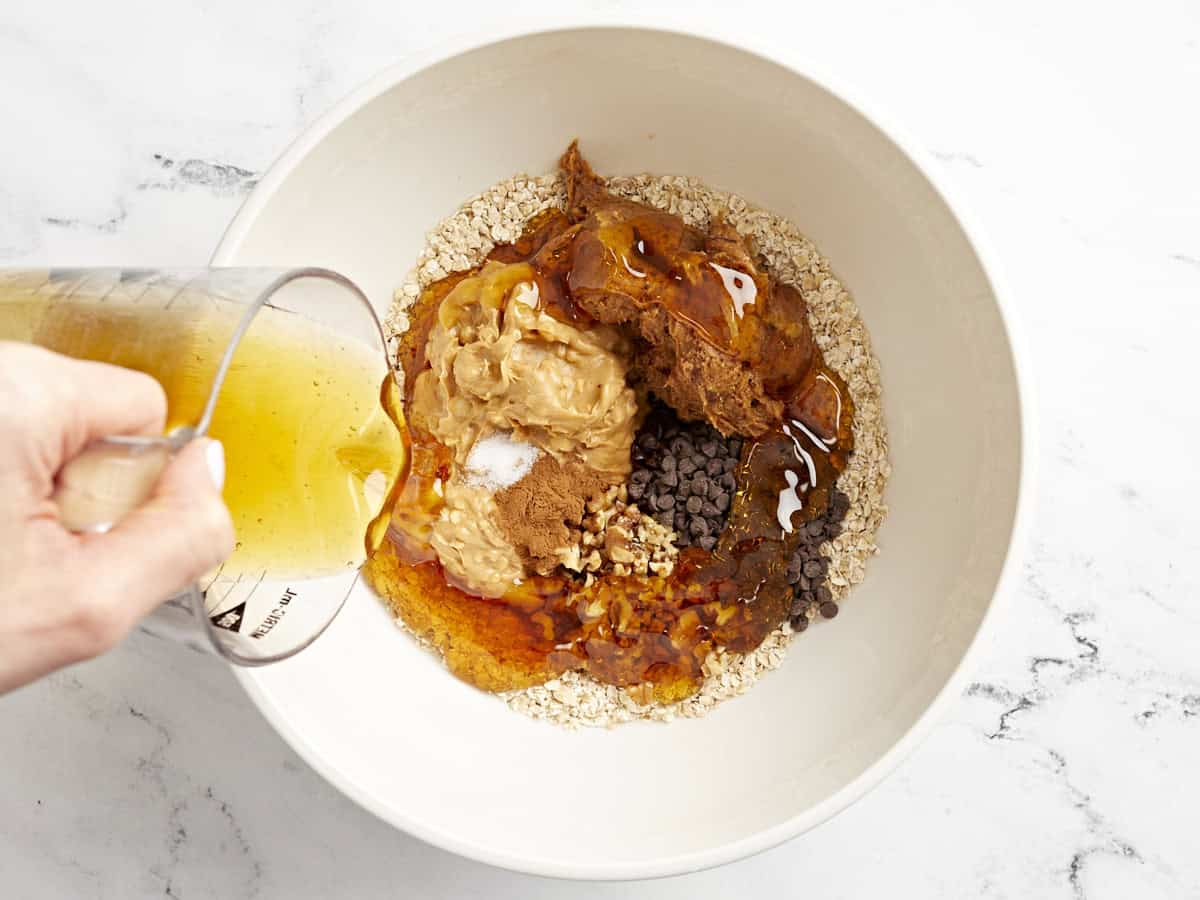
{"x": 384, "y": 721}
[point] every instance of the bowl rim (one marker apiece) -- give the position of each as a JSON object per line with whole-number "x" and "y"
{"x": 772, "y": 51}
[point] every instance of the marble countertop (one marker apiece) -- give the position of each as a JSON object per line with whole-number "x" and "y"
{"x": 131, "y": 131}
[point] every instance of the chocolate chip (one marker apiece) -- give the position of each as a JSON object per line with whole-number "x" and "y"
{"x": 812, "y": 569}
{"x": 799, "y": 623}
{"x": 803, "y": 582}
{"x": 687, "y": 470}
{"x": 816, "y": 527}
{"x": 824, "y": 594}
{"x": 665, "y": 518}
{"x": 829, "y": 610}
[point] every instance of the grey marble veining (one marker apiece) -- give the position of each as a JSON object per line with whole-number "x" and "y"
{"x": 132, "y": 131}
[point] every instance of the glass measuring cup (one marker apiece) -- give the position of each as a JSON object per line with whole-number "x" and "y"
{"x": 287, "y": 368}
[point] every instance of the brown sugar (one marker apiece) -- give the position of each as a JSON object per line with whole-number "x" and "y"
{"x": 720, "y": 341}
{"x": 541, "y": 514}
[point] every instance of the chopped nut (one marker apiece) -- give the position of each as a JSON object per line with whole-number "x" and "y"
{"x": 618, "y": 552}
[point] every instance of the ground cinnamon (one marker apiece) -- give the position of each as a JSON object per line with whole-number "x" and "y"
{"x": 541, "y": 514}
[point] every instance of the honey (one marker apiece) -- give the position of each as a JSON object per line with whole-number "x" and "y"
{"x": 311, "y": 444}
{"x": 623, "y": 630}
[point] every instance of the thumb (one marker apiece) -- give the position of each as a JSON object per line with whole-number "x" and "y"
{"x": 181, "y": 532}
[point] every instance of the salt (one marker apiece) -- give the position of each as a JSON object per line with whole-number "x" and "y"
{"x": 498, "y": 461}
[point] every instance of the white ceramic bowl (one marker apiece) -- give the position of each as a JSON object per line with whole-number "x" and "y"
{"x": 383, "y": 720}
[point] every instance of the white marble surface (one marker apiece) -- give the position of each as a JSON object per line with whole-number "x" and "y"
{"x": 130, "y": 131}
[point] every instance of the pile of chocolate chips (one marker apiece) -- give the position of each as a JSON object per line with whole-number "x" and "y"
{"x": 684, "y": 476}
{"x": 808, "y": 570}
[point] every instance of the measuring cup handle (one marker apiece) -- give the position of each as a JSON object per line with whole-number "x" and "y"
{"x": 108, "y": 480}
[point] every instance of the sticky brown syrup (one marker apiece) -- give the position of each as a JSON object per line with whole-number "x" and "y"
{"x": 623, "y": 630}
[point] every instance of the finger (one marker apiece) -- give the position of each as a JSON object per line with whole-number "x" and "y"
{"x": 181, "y": 532}
{"x": 56, "y": 405}
{"x": 105, "y": 400}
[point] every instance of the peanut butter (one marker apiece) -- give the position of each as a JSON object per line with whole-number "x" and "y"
{"x": 498, "y": 362}
{"x": 470, "y": 543}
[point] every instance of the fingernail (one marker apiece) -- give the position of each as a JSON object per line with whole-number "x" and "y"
{"x": 214, "y": 455}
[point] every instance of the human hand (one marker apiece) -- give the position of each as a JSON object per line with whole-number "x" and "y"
{"x": 66, "y": 597}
